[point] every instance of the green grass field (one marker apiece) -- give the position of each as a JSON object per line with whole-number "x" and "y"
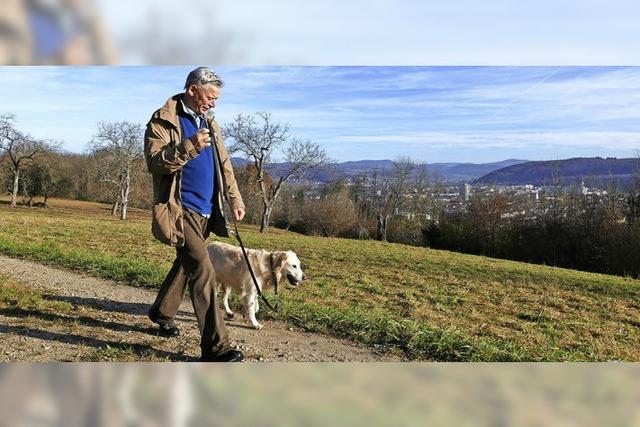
{"x": 433, "y": 305}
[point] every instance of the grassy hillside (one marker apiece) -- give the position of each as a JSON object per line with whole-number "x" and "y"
{"x": 433, "y": 305}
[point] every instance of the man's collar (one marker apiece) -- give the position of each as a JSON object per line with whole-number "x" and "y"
{"x": 186, "y": 109}
{"x": 204, "y": 117}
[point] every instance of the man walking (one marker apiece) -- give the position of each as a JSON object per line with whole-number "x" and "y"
{"x": 190, "y": 165}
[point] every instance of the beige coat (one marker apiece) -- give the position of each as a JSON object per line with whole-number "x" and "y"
{"x": 166, "y": 153}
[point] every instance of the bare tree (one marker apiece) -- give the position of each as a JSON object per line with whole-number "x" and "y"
{"x": 485, "y": 215}
{"x": 391, "y": 194}
{"x": 20, "y": 149}
{"x": 553, "y": 208}
{"x": 257, "y": 139}
{"x": 421, "y": 205}
{"x": 359, "y": 193}
{"x": 106, "y": 172}
{"x": 44, "y": 174}
{"x": 119, "y": 147}
{"x": 633, "y": 201}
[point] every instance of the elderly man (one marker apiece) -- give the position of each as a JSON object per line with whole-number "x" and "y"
{"x": 188, "y": 177}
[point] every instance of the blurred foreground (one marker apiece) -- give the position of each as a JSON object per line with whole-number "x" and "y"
{"x": 373, "y": 32}
{"x": 314, "y": 395}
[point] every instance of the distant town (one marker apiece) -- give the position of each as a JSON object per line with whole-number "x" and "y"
{"x": 449, "y": 187}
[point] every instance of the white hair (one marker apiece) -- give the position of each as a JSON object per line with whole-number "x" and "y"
{"x": 202, "y": 76}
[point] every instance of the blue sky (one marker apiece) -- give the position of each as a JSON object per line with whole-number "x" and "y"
{"x": 432, "y": 114}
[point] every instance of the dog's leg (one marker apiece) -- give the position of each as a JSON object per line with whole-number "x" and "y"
{"x": 249, "y": 304}
{"x": 256, "y": 306}
{"x": 225, "y": 301}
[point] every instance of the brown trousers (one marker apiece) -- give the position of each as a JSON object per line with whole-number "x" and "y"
{"x": 193, "y": 267}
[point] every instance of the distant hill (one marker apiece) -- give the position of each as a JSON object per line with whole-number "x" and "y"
{"x": 470, "y": 171}
{"x": 447, "y": 171}
{"x": 593, "y": 170}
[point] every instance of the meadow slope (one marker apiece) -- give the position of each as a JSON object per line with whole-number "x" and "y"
{"x": 433, "y": 305}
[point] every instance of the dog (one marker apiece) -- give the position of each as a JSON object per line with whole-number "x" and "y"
{"x": 232, "y": 273}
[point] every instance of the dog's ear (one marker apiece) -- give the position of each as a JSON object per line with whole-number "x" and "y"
{"x": 279, "y": 259}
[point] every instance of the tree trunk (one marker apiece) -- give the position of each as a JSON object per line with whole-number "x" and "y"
{"x": 264, "y": 222}
{"x": 114, "y": 208}
{"x": 28, "y": 199}
{"x": 46, "y": 200}
{"x": 382, "y": 227}
{"x": 14, "y": 195}
{"x": 125, "y": 196}
{"x": 123, "y": 211}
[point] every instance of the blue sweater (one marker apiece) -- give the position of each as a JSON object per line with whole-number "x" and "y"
{"x": 198, "y": 173}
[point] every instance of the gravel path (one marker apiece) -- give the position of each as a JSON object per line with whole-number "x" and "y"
{"x": 111, "y": 316}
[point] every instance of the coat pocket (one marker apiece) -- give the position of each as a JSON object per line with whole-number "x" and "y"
{"x": 162, "y": 224}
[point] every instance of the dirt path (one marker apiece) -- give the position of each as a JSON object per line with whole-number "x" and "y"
{"x": 108, "y": 322}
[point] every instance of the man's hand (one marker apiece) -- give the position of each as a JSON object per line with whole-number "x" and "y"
{"x": 201, "y": 140}
{"x": 238, "y": 214}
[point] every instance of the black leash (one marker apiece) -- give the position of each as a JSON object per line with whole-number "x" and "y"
{"x": 253, "y": 276}
{"x": 237, "y": 233}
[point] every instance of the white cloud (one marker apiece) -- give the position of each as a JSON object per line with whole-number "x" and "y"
{"x": 493, "y": 140}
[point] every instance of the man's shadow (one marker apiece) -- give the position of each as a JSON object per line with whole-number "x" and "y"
{"x": 66, "y": 338}
{"x": 107, "y": 305}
